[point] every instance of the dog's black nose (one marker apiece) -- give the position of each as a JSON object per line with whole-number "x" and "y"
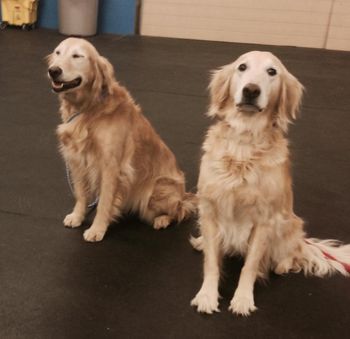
{"x": 55, "y": 72}
{"x": 251, "y": 92}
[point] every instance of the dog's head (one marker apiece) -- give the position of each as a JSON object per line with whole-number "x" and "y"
{"x": 75, "y": 65}
{"x": 256, "y": 84}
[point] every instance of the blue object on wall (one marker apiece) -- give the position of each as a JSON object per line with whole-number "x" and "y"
{"x": 115, "y": 16}
{"x": 48, "y": 14}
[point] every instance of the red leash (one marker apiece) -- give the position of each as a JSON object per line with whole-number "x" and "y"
{"x": 328, "y": 256}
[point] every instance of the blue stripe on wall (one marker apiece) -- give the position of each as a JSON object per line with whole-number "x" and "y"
{"x": 48, "y": 14}
{"x": 115, "y": 16}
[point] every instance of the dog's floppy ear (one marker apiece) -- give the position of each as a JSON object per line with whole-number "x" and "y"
{"x": 48, "y": 59}
{"x": 289, "y": 101}
{"x": 219, "y": 89}
{"x": 104, "y": 77}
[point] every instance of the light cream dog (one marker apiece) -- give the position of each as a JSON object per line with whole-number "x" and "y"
{"x": 245, "y": 186}
{"x": 111, "y": 149}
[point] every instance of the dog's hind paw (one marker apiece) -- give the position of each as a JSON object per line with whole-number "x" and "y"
{"x": 197, "y": 243}
{"x": 93, "y": 235}
{"x": 242, "y": 305}
{"x": 73, "y": 220}
{"x": 206, "y": 302}
{"x": 163, "y": 221}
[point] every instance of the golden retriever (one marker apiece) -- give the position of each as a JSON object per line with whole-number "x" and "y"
{"x": 245, "y": 187}
{"x": 111, "y": 149}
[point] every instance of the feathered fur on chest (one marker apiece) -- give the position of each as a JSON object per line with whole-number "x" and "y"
{"x": 79, "y": 151}
{"x": 74, "y": 138}
{"x": 234, "y": 161}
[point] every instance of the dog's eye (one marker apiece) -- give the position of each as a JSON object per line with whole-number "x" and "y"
{"x": 271, "y": 71}
{"x": 76, "y": 56}
{"x": 242, "y": 67}
{"x": 58, "y": 53}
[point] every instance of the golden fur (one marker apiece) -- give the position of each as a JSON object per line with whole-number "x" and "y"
{"x": 245, "y": 187}
{"x": 111, "y": 149}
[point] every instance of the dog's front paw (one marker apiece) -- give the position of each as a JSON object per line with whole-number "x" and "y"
{"x": 93, "y": 234}
{"x": 73, "y": 220}
{"x": 162, "y": 221}
{"x": 206, "y": 302}
{"x": 242, "y": 305}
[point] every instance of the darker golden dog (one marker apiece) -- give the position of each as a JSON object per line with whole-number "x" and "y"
{"x": 111, "y": 149}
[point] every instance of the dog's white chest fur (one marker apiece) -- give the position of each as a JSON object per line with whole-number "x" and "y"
{"x": 242, "y": 176}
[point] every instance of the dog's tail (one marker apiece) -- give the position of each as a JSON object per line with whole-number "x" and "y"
{"x": 319, "y": 257}
{"x": 325, "y": 257}
{"x": 187, "y": 206}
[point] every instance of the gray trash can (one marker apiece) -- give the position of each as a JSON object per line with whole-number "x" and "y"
{"x": 78, "y": 17}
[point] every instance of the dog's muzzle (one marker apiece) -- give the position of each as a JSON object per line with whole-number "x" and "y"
{"x": 58, "y": 85}
{"x": 250, "y": 93}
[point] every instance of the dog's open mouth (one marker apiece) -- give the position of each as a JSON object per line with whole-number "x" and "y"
{"x": 60, "y": 86}
{"x": 248, "y": 108}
